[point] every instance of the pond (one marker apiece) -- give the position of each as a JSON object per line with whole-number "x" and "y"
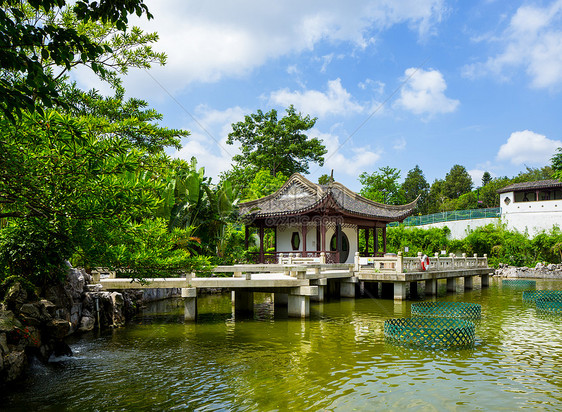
{"x": 336, "y": 360}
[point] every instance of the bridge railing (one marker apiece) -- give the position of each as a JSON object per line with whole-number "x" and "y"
{"x": 401, "y": 264}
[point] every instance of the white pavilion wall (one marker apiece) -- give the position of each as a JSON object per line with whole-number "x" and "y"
{"x": 284, "y": 240}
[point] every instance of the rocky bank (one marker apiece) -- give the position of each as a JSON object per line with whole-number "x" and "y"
{"x": 540, "y": 271}
{"x": 37, "y": 326}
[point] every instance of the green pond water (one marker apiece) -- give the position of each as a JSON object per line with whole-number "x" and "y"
{"x": 336, "y": 360}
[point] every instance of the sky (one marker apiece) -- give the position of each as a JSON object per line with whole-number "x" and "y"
{"x": 392, "y": 83}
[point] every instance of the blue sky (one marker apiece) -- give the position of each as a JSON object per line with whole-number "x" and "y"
{"x": 392, "y": 83}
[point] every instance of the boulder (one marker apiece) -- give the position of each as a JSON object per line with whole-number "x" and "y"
{"x": 15, "y": 296}
{"x": 14, "y": 365}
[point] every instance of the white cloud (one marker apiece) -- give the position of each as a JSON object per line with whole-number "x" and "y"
{"x": 424, "y": 93}
{"x": 532, "y": 41}
{"x": 336, "y": 100}
{"x": 527, "y": 147}
{"x": 476, "y": 175}
{"x": 399, "y": 144}
{"x": 207, "y": 141}
{"x": 207, "y": 41}
{"x": 357, "y": 160}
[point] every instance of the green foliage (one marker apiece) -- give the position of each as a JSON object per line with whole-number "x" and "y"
{"x": 39, "y": 37}
{"x": 325, "y": 179}
{"x": 382, "y": 186}
{"x": 280, "y": 146}
{"x": 427, "y": 241}
{"x": 500, "y": 244}
{"x": 129, "y": 119}
{"x": 263, "y": 184}
{"x": 457, "y": 182}
{"x": 415, "y": 185}
{"x": 486, "y": 178}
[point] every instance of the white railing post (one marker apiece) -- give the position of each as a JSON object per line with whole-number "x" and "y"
{"x": 399, "y": 263}
{"x": 290, "y": 261}
{"x": 464, "y": 265}
{"x": 452, "y": 256}
{"x": 357, "y": 267}
{"x": 436, "y": 254}
{"x": 323, "y": 258}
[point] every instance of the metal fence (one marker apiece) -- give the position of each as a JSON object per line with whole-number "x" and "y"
{"x": 450, "y": 216}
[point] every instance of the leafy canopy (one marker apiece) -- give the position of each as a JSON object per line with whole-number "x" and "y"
{"x": 382, "y": 186}
{"x": 277, "y": 145}
{"x": 40, "y": 40}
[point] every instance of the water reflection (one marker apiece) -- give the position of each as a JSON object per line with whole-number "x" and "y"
{"x": 336, "y": 360}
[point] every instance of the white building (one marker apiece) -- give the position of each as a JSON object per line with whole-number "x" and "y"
{"x": 532, "y": 206}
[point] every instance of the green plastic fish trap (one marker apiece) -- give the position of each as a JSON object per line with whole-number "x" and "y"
{"x": 533, "y": 295}
{"x": 519, "y": 283}
{"x": 551, "y": 305}
{"x": 430, "y": 333}
{"x": 447, "y": 309}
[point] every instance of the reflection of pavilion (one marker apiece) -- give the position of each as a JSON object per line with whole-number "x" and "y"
{"x": 314, "y": 220}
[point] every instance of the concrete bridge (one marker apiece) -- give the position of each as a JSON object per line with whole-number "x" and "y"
{"x": 296, "y": 281}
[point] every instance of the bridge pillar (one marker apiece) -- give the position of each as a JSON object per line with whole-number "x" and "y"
{"x": 298, "y": 306}
{"x": 243, "y": 301}
{"x": 399, "y": 290}
{"x": 468, "y": 282}
{"x": 451, "y": 284}
{"x": 431, "y": 287}
{"x": 280, "y": 299}
{"x": 485, "y": 279}
{"x": 320, "y": 296}
{"x": 189, "y": 296}
{"x": 347, "y": 288}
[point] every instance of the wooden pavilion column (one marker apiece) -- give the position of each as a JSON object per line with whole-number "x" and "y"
{"x": 367, "y": 231}
{"x": 376, "y": 237}
{"x": 323, "y": 235}
{"x": 262, "y": 254}
{"x": 338, "y": 242}
{"x": 384, "y": 239}
{"x": 304, "y": 231}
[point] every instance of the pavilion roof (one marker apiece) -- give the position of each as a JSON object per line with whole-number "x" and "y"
{"x": 300, "y": 196}
{"x": 536, "y": 185}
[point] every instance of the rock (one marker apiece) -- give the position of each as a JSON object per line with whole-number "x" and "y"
{"x": 87, "y": 324}
{"x": 15, "y": 297}
{"x": 8, "y": 321}
{"x": 75, "y": 282}
{"x": 551, "y": 267}
{"x": 14, "y": 364}
{"x": 47, "y": 310}
{"x": 3, "y": 344}
{"x": 58, "y": 328}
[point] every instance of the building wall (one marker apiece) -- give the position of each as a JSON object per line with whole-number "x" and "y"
{"x": 532, "y": 217}
{"x": 284, "y": 240}
{"x": 460, "y": 228}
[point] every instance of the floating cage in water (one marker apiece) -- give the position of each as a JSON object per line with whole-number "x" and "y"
{"x": 551, "y": 305}
{"x": 519, "y": 283}
{"x": 447, "y": 309}
{"x": 430, "y": 333}
{"x": 533, "y": 295}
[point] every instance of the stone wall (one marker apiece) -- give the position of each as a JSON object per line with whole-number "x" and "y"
{"x": 37, "y": 326}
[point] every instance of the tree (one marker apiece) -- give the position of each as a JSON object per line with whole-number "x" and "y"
{"x": 437, "y": 198}
{"x": 415, "y": 185}
{"x": 39, "y": 36}
{"x": 280, "y": 146}
{"x": 457, "y": 182}
{"x": 325, "y": 179}
{"x": 486, "y": 178}
{"x": 382, "y": 186}
{"x": 557, "y": 163}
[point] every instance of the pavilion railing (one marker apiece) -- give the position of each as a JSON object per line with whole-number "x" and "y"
{"x": 327, "y": 256}
{"x": 401, "y": 264}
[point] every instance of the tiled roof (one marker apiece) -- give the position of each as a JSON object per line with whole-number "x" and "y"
{"x": 299, "y": 195}
{"x": 538, "y": 184}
